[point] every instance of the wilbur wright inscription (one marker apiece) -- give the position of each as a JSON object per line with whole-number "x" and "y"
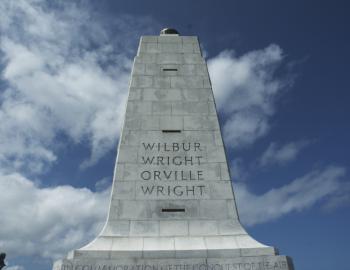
{"x": 179, "y": 162}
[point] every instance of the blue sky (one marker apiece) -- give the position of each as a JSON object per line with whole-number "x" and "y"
{"x": 280, "y": 78}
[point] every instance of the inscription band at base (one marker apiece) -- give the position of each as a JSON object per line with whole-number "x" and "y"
{"x": 241, "y": 263}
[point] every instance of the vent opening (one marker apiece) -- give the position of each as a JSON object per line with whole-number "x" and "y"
{"x": 171, "y": 131}
{"x": 169, "y": 69}
{"x": 172, "y": 210}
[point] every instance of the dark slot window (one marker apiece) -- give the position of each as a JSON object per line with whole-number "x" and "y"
{"x": 172, "y": 210}
{"x": 169, "y": 69}
{"x": 171, "y": 131}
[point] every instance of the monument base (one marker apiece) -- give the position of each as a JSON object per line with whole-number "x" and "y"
{"x": 239, "y": 263}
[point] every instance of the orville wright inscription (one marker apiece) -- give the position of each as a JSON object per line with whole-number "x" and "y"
{"x": 176, "y": 169}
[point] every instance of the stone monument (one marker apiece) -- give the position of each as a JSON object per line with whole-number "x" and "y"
{"x": 172, "y": 204}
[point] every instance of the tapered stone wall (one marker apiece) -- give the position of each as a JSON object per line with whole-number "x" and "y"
{"x": 172, "y": 200}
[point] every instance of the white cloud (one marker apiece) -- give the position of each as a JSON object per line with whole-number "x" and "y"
{"x": 281, "y": 154}
{"x": 64, "y": 72}
{"x": 340, "y": 199}
{"x": 48, "y": 222}
{"x": 15, "y": 267}
{"x": 300, "y": 194}
{"x": 245, "y": 88}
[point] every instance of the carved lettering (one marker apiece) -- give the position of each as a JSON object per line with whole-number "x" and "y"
{"x": 259, "y": 265}
{"x": 187, "y": 154}
{"x": 174, "y": 191}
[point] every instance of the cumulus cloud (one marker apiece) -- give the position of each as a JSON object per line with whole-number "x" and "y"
{"x": 63, "y": 71}
{"x": 48, "y": 222}
{"x": 281, "y": 154}
{"x": 300, "y": 194}
{"x": 245, "y": 89}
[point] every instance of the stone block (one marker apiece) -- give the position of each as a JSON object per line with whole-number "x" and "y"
{"x": 189, "y": 39}
{"x": 163, "y": 94}
{"x": 225, "y": 175}
{"x": 196, "y": 48}
{"x": 206, "y": 137}
{"x": 127, "y": 247}
{"x": 138, "y": 69}
{"x": 150, "y": 122}
{"x": 173, "y": 227}
{"x": 195, "y": 122}
{"x": 135, "y": 94}
{"x": 230, "y": 227}
{"x": 116, "y": 228}
{"x": 123, "y": 190}
{"x": 161, "y": 108}
{"x": 216, "y": 154}
{"x": 200, "y": 94}
{"x": 188, "y": 108}
{"x": 132, "y": 122}
{"x": 101, "y": 243}
{"x": 193, "y": 58}
{"x": 218, "y": 138}
{"x": 202, "y": 70}
{"x": 146, "y": 58}
{"x": 118, "y": 172}
{"x": 131, "y": 172}
{"x": 190, "y": 247}
{"x": 152, "y": 48}
{"x": 169, "y": 39}
{"x": 170, "y": 47}
{"x": 206, "y": 82}
{"x": 187, "y": 70}
{"x": 222, "y": 246}
{"x": 152, "y": 69}
{"x": 128, "y": 210}
{"x": 144, "y": 228}
{"x": 147, "y": 39}
{"x": 212, "y": 108}
{"x": 221, "y": 189}
{"x": 171, "y": 123}
{"x": 141, "y": 49}
{"x": 208, "y": 209}
{"x": 137, "y": 107}
{"x": 127, "y": 154}
{"x": 161, "y": 82}
{"x": 246, "y": 241}
{"x": 188, "y": 47}
{"x": 186, "y": 82}
{"x": 203, "y": 227}
{"x": 231, "y": 209}
{"x": 169, "y": 58}
{"x": 141, "y": 81}
{"x": 159, "y": 247}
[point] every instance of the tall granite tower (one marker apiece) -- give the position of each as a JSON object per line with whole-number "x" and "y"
{"x": 172, "y": 205}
